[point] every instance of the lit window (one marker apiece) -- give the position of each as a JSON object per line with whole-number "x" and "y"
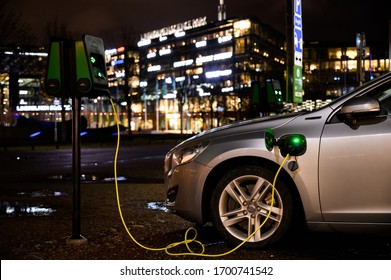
{"x": 151, "y": 55}
{"x": 224, "y": 39}
{"x": 180, "y": 34}
{"x": 221, "y": 56}
{"x": 200, "y": 44}
{"x": 144, "y": 42}
{"x": 218, "y": 73}
{"x": 183, "y": 63}
{"x": 154, "y": 68}
{"x": 164, "y": 52}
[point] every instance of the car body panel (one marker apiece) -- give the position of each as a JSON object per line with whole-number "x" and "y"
{"x": 189, "y": 201}
{"x": 354, "y": 178}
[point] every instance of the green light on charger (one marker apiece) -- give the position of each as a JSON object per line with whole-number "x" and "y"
{"x": 292, "y": 144}
{"x": 296, "y": 140}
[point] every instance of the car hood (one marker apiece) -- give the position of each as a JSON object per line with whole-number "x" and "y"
{"x": 242, "y": 127}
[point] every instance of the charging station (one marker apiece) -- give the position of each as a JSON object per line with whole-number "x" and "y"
{"x": 76, "y": 69}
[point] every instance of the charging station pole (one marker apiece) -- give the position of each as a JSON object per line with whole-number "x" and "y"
{"x": 76, "y": 237}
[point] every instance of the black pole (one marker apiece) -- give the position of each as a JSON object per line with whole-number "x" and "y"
{"x": 76, "y": 228}
{"x": 76, "y": 237}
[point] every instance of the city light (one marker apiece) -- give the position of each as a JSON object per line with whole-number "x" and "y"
{"x": 154, "y": 68}
{"x": 179, "y": 34}
{"x": 183, "y": 63}
{"x": 224, "y": 39}
{"x": 164, "y": 52}
{"x": 218, "y": 73}
{"x": 144, "y": 42}
{"x": 200, "y": 44}
{"x": 151, "y": 55}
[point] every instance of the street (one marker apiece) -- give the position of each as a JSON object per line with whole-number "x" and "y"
{"x": 36, "y": 211}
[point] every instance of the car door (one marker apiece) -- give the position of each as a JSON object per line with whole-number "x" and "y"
{"x": 355, "y": 166}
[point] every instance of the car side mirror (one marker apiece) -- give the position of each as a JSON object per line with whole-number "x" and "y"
{"x": 358, "y": 108}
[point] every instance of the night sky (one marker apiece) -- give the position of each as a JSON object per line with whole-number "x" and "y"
{"x": 325, "y": 20}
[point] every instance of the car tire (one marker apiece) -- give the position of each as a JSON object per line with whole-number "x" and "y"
{"x": 241, "y": 203}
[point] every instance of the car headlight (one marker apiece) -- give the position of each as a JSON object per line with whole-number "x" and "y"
{"x": 184, "y": 154}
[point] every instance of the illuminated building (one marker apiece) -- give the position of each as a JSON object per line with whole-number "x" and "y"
{"x": 122, "y": 65}
{"x": 197, "y": 75}
{"x": 21, "y": 76}
{"x": 331, "y": 69}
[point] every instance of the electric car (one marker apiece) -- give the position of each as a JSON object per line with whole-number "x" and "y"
{"x": 328, "y": 169}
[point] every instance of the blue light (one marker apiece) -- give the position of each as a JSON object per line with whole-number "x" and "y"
{"x": 35, "y": 134}
{"x": 83, "y": 133}
{"x": 116, "y": 133}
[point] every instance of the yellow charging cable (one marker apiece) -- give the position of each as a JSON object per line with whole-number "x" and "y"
{"x": 186, "y": 240}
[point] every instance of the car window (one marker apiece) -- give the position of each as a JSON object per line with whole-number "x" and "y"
{"x": 382, "y": 93}
{"x": 384, "y": 97}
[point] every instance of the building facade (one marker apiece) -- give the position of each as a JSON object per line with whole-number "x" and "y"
{"x": 333, "y": 69}
{"x": 198, "y": 75}
{"x": 22, "y": 71}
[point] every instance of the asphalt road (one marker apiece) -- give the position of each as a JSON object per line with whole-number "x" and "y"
{"x": 34, "y": 177}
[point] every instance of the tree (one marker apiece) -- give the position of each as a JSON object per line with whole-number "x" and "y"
{"x": 56, "y": 30}
{"x": 12, "y": 30}
{"x": 124, "y": 36}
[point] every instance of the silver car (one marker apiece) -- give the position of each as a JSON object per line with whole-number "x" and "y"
{"x": 337, "y": 179}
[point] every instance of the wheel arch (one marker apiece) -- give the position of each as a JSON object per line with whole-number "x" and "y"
{"x": 218, "y": 171}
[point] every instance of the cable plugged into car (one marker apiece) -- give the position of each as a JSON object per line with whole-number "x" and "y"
{"x": 289, "y": 144}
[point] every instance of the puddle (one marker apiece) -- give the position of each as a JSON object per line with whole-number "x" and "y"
{"x": 158, "y": 205}
{"x": 18, "y": 209}
{"x": 119, "y": 179}
{"x": 23, "y": 209}
{"x": 87, "y": 178}
{"x": 43, "y": 193}
{"x": 91, "y": 178}
{"x": 59, "y": 177}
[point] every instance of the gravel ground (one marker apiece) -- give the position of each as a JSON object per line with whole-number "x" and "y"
{"x": 25, "y": 236}
{"x": 28, "y": 236}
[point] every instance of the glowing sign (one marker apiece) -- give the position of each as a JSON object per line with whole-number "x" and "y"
{"x": 41, "y": 108}
{"x": 165, "y": 31}
{"x": 298, "y": 53}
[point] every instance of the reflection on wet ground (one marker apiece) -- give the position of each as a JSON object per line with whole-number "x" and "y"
{"x": 17, "y": 209}
{"x": 92, "y": 178}
{"x": 157, "y": 205}
{"x": 43, "y": 193}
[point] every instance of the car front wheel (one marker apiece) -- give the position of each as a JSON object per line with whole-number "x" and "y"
{"x": 243, "y": 202}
